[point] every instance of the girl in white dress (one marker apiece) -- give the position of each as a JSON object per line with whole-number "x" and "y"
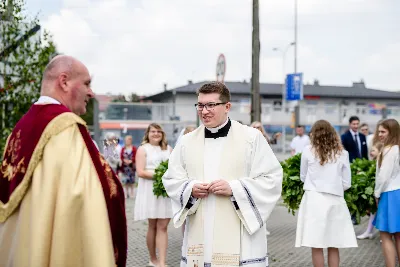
{"x": 324, "y": 220}
{"x": 157, "y": 210}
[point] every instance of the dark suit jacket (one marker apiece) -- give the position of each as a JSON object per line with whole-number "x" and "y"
{"x": 350, "y": 145}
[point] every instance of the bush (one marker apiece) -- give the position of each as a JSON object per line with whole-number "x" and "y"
{"x": 158, "y": 187}
{"x": 359, "y": 198}
{"x": 292, "y": 186}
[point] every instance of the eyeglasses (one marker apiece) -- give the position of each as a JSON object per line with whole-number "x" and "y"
{"x": 208, "y": 106}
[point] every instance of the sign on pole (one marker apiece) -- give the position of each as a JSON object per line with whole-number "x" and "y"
{"x": 294, "y": 87}
{"x": 221, "y": 68}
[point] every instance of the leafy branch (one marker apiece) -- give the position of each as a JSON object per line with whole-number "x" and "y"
{"x": 25, "y": 52}
{"x": 158, "y": 186}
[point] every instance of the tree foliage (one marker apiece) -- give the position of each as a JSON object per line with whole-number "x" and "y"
{"x": 88, "y": 116}
{"x": 133, "y": 97}
{"x": 119, "y": 98}
{"x": 24, "y": 56}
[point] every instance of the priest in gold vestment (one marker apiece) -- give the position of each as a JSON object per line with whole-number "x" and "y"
{"x": 60, "y": 202}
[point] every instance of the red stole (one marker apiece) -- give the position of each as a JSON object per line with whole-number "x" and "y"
{"x": 21, "y": 146}
{"x": 115, "y": 199}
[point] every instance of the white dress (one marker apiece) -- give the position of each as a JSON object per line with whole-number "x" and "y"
{"x": 147, "y": 205}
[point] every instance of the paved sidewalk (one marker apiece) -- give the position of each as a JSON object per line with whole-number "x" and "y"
{"x": 282, "y": 252}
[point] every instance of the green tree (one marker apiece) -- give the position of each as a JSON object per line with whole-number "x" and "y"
{"x": 24, "y": 54}
{"x": 88, "y": 116}
{"x": 119, "y": 98}
{"x": 134, "y": 98}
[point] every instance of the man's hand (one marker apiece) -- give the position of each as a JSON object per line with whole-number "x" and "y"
{"x": 220, "y": 187}
{"x": 200, "y": 190}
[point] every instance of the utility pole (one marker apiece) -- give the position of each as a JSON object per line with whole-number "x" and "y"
{"x": 297, "y": 106}
{"x": 255, "y": 66}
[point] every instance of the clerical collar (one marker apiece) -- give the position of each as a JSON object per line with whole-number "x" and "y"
{"x": 47, "y": 100}
{"x": 220, "y": 131}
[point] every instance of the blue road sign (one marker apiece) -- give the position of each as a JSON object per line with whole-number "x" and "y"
{"x": 294, "y": 87}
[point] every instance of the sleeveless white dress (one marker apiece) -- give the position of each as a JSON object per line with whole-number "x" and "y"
{"x": 147, "y": 205}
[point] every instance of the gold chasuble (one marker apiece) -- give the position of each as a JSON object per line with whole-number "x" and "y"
{"x": 60, "y": 203}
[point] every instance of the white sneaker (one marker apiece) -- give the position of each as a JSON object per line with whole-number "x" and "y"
{"x": 365, "y": 236}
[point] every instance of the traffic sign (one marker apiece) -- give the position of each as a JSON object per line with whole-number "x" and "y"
{"x": 221, "y": 68}
{"x": 294, "y": 87}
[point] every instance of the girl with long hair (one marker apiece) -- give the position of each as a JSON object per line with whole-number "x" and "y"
{"x": 157, "y": 210}
{"x": 324, "y": 220}
{"x": 387, "y": 190}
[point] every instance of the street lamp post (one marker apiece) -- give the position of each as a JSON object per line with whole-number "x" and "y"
{"x": 284, "y": 90}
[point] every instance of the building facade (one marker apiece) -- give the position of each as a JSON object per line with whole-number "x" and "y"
{"x": 174, "y": 108}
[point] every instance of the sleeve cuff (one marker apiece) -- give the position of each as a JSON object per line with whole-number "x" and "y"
{"x": 245, "y": 207}
{"x": 188, "y": 203}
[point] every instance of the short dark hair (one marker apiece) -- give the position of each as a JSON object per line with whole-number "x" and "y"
{"x": 216, "y": 87}
{"x": 354, "y": 118}
{"x": 300, "y": 126}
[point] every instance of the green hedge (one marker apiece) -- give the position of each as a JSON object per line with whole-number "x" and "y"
{"x": 359, "y": 198}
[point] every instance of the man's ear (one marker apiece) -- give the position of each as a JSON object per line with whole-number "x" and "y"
{"x": 228, "y": 107}
{"x": 62, "y": 81}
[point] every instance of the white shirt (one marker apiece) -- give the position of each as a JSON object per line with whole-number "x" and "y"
{"x": 299, "y": 143}
{"x": 332, "y": 178}
{"x": 388, "y": 175}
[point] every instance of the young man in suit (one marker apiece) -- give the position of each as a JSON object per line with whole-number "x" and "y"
{"x": 355, "y": 142}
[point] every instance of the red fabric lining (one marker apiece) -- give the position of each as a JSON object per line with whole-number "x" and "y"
{"x": 115, "y": 204}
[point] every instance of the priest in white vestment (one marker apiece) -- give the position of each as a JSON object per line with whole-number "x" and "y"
{"x": 224, "y": 181}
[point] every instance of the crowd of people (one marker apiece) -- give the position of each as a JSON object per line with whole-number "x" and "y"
{"x": 325, "y": 171}
{"x": 63, "y": 203}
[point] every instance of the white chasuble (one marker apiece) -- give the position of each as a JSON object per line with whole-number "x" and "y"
{"x": 224, "y": 231}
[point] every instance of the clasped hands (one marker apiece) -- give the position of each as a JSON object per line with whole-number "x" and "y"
{"x": 218, "y": 187}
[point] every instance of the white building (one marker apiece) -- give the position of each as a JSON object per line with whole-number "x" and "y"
{"x": 333, "y": 103}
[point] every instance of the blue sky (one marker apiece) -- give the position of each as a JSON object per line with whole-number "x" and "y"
{"x": 136, "y": 46}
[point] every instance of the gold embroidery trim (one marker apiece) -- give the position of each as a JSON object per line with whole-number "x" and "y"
{"x": 12, "y": 168}
{"x": 195, "y": 250}
{"x": 109, "y": 174}
{"x": 225, "y": 259}
{"x": 55, "y": 126}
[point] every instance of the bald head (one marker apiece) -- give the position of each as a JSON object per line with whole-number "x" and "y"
{"x": 59, "y": 65}
{"x": 67, "y": 80}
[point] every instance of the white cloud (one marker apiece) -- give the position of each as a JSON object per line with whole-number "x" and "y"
{"x": 139, "y": 45}
{"x": 384, "y": 63}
